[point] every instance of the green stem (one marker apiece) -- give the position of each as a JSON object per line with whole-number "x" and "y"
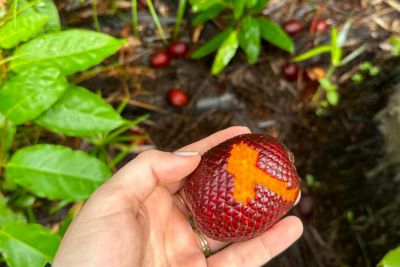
{"x": 3, "y": 143}
{"x": 95, "y": 18}
{"x": 120, "y": 156}
{"x": 134, "y": 11}
{"x": 330, "y": 72}
{"x": 179, "y": 17}
{"x": 123, "y": 104}
{"x": 156, "y": 20}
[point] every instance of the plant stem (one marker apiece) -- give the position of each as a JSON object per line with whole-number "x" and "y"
{"x": 156, "y": 20}
{"x": 3, "y": 141}
{"x": 134, "y": 11}
{"x": 179, "y": 17}
{"x": 95, "y": 18}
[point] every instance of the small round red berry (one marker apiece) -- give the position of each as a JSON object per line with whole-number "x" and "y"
{"x": 293, "y": 27}
{"x": 290, "y": 71}
{"x": 177, "y": 98}
{"x": 322, "y": 25}
{"x": 160, "y": 59}
{"x": 178, "y": 48}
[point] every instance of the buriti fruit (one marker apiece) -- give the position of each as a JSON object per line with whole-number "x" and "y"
{"x": 242, "y": 187}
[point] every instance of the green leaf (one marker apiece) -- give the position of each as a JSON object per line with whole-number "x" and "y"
{"x": 259, "y": 6}
{"x": 225, "y": 53}
{"x": 70, "y": 51}
{"x": 249, "y": 39}
{"x": 273, "y": 33}
{"x": 332, "y": 97}
{"x": 9, "y": 134}
{"x": 212, "y": 45}
{"x": 201, "y": 5}
{"x": 353, "y": 55}
{"x": 313, "y": 52}
{"x": 336, "y": 52}
{"x": 208, "y": 14}
{"x": 391, "y": 259}
{"x": 251, "y": 3}
{"x": 331, "y": 91}
{"x": 26, "y": 95}
{"x": 47, "y": 7}
{"x": 7, "y": 215}
{"x": 21, "y": 29}
{"x": 80, "y": 112}
{"x": 342, "y": 36}
{"x": 238, "y": 8}
{"x": 25, "y": 245}
{"x": 395, "y": 42}
{"x": 57, "y": 172}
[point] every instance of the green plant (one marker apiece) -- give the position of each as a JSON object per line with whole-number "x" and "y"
{"x": 366, "y": 68}
{"x": 391, "y": 259}
{"x": 395, "y": 42}
{"x": 37, "y": 59}
{"x": 335, "y": 48}
{"x": 246, "y": 28}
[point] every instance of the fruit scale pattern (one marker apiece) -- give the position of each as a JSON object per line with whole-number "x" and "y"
{"x": 242, "y": 187}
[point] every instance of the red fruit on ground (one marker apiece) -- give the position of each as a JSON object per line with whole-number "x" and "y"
{"x": 293, "y": 27}
{"x": 242, "y": 187}
{"x": 290, "y": 71}
{"x": 178, "y": 48}
{"x": 177, "y": 97}
{"x": 159, "y": 59}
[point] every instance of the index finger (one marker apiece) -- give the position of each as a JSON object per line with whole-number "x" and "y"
{"x": 209, "y": 142}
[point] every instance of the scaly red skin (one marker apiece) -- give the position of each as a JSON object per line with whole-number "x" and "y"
{"x": 210, "y": 188}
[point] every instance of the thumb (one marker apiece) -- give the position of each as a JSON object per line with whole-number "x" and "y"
{"x": 152, "y": 168}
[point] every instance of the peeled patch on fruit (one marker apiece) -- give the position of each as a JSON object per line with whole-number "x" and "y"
{"x": 242, "y": 187}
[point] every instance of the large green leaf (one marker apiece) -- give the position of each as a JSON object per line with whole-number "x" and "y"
{"x": 26, "y": 95}
{"x": 57, "y": 172}
{"x": 24, "y": 245}
{"x": 225, "y": 53}
{"x": 8, "y": 135}
{"x": 47, "y": 7}
{"x": 273, "y": 33}
{"x": 21, "y": 29}
{"x": 212, "y": 45}
{"x": 7, "y": 215}
{"x": 70, "y": 51}
{"x": 249, "y": 39}
{"x": 208, "y": 14}
{"x": 391, "y": 259}
{"x": 80, "y": 112}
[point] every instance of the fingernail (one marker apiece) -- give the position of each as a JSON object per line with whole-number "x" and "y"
{"x": 298, "y": 199}
{"x": 186, "y": 153}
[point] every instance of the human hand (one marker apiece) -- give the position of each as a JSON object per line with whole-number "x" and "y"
{"x": 134, "y": 219}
